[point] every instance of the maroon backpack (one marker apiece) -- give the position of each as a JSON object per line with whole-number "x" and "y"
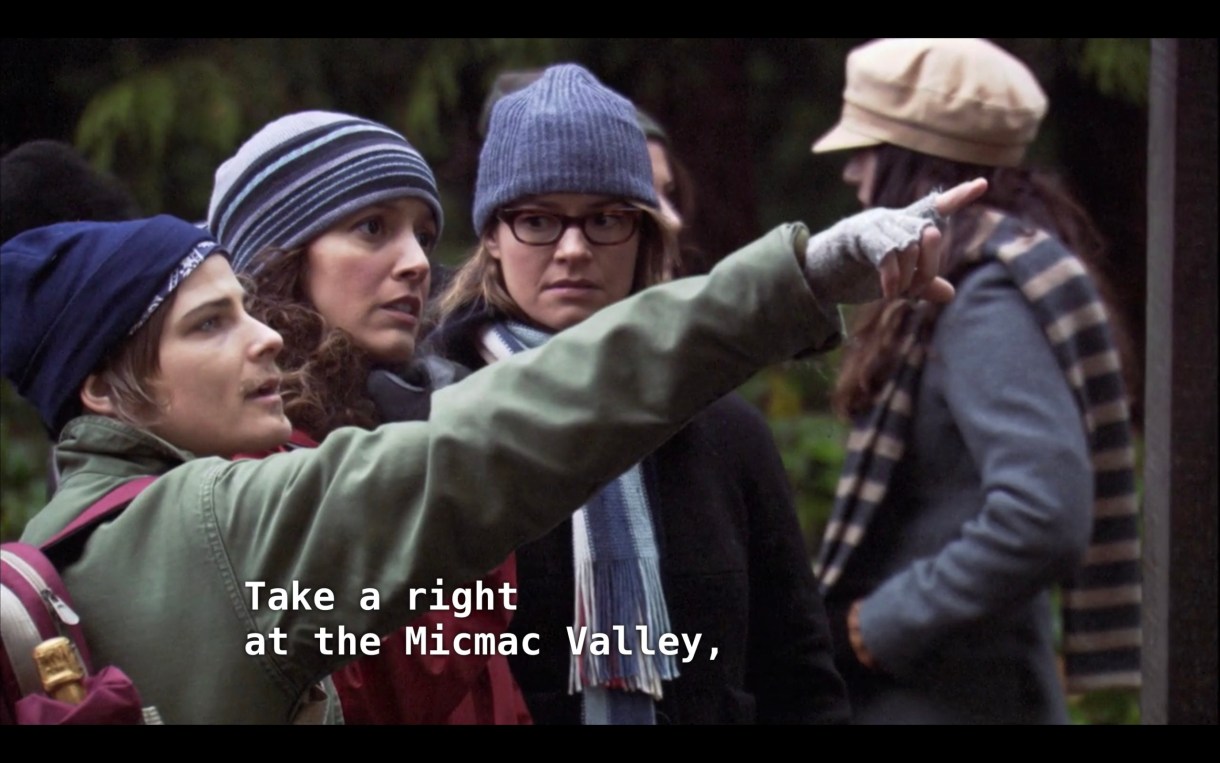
{"x": 35, "y": 606}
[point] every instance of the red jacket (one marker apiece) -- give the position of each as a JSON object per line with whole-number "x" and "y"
{"x": 396, "y": 688}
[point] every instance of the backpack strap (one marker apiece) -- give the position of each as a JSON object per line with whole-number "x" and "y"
{"x": 107, "y": 506}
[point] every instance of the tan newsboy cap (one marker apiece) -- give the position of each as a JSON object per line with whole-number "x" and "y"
{"x": 957, "y": 98}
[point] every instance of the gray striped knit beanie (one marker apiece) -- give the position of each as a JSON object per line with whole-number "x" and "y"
{"x": 565, "y": 133}
{"x": 302, "y": 173}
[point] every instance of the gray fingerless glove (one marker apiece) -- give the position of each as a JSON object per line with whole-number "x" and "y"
{"x": 841, "y": 262}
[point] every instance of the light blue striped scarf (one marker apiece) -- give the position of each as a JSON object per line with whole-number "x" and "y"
{"x": 618, "y": 583}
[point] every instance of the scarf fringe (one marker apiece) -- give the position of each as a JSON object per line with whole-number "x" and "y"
{"x": 622, "y": 586}
{"x": 618, "y": 583}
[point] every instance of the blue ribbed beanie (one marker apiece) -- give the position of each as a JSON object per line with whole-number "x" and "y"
{"x": 303, "y": 173}
{"x": 73, "y": 292}
{"x": 565, "y": 133}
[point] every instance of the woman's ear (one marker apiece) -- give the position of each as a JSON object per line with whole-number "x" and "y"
{"x": 95, "y": 396}
{"x": 492, "y": 244}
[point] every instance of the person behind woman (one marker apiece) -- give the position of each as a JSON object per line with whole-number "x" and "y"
{"x": 676, "y": 194}
{"x": 333, "y": 218}
{"x": 990, "y": 434}
{"x": 700, "y": 537}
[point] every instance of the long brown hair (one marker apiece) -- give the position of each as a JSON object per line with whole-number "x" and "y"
{"x": 325, "y": 372}
{"x": 1040, "y": 199}
{"x": 480, "y": 278}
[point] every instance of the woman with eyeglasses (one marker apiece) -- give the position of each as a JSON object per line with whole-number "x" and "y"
{"x": 698, "y": 538}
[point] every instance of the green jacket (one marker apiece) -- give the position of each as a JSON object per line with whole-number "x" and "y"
{"x": 507, "y": 454}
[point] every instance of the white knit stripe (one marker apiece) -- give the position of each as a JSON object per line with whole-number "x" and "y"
{"x": 1109, "y": 413}
{"x": 1052, "y": 278}
{"x": 257, "y": 226}
{"x": 254, "y": 182}
{"x": 853, "y": 535}
{"x": 494, "y": 344}
{"x": 987, "y": 223}
{"x": 830, "y": 576}
{"x": 1020, "y": 245}
{"x": 901, "y": 402}
{"x": 1103, "y": 598}
{"x": 583, "y": 597}
{"x": 1125, "y": 679}
{"x": 1116, "y": 459}
{"x": 1117, "y": 506}
{"x": 1092, "y": 367}
{"x": 1101, "y": 641}
{"x": 1120, "y": 551}
{"x": 1076, "y": 380}
{"x": 859, "y": 439}
{"x": 872, "y": 491}
{"x": 890, "y": 447}
{"x": 1082, "y": 317}
{"x": 1100, "y": 364}
{"x": 833, "y": 532}
{"x": 847, "y": 485}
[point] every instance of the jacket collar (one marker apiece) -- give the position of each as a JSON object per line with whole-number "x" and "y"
{"x": 94, "y": 455}
{"x": 100, "y": 442}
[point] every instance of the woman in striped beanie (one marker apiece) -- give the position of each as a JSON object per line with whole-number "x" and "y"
{"x": 333, "y": 218}
{"x": 991, "y": 435}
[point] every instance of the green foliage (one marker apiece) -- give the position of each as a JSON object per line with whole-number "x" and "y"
{"x": 810, "y": 441}
{"x": 1109, "y": 707}
{"x": 162, "y": 130}
{"x": 23, "y": 459}
{"x": 1118, "y": 66}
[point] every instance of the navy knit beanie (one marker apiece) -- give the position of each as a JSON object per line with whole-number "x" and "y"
{"x": 73, "y": 292}
{"x": 303, "y": 173}
{"x": 565, "y": 133}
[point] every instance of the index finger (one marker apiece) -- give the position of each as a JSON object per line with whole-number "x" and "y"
{"x": 960, "y": 196}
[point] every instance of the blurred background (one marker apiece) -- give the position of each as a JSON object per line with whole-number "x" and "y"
{"x": 160, "y": 114}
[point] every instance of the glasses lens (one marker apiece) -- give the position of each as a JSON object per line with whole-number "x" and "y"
{"x": 537, "y": 228}
{"x": 610, "y": 227}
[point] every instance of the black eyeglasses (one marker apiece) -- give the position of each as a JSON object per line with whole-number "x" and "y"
{"x": 536, "y": 227}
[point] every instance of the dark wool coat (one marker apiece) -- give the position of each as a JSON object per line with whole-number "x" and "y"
{"x": 989, "y": 507}
{"x": 734, "y": 568}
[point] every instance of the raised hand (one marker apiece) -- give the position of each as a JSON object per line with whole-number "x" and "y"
{"x": 902, "y": 246}
{"x": 914, "y": 271}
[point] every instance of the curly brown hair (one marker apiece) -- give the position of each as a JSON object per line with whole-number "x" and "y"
{"x": 1039, "y": 198}
{"x": 325, "y": 372}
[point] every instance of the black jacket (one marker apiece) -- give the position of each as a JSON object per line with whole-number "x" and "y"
{"x": 734, "y": 569}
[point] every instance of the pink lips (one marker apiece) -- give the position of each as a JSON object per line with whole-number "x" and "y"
{"x": 407, "y": 309}
{"x": 261, "y": 389}
{"x": 571, "y": 284}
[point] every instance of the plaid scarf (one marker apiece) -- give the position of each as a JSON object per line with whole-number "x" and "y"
{"x": 618, "y": 583}
{"x": 1101, "y": 603}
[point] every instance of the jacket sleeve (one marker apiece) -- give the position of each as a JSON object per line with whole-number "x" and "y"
{"x": 507, "y": 454}
{"x": 1011, "y": 404}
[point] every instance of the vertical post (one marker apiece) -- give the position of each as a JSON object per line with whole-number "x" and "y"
{"x": 1180, "y": 609}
